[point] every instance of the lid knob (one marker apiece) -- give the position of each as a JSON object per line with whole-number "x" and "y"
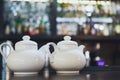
{"x": 67, "y": 38}
{"x": 26, "y": 37}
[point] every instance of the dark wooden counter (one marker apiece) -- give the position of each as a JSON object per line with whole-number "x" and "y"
{"x": 92, "y": 73}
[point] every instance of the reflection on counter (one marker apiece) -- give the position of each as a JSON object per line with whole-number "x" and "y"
{"x": 68, "y": 77}
{"x": 92, "y": 75}
{"x": 8, "y": 76}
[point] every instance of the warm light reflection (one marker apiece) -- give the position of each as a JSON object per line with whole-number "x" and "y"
{"x": 84, "y": 2}
{"x": 32, "y": 0}
{"x": 98, "y": 46}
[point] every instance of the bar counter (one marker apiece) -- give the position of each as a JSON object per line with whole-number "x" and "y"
{"x": 93, "y": 73}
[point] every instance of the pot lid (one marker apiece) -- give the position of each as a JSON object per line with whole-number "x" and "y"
{"x": 67, "y": 41}
{"x": 26, "y": 41}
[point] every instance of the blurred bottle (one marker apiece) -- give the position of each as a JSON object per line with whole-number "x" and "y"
{"x": 42, "y": 27}
{"x": 89, "y": 29}
{"x": 18, "y": 20}
{"x": 48, "y": 28}
{"x": 13, "y": 29}
{"x": 117, "y": 27}
{"x": 26, "y": 27}
{"x": 7, "y": 30}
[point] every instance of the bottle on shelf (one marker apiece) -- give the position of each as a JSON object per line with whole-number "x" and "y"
{"x": 117, "y": 26}
{"x": 7, "y": 30}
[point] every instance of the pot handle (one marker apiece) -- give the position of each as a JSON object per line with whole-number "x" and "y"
{"x": 1, "y": 51}
{"x": 48, "y": 46}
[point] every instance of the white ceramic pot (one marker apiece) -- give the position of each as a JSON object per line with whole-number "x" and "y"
{"x": 26, "y": 58}
{"x": 67, "y": 57}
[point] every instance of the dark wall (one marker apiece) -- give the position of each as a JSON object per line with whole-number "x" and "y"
{"x": 52, "y": 16}
{"x": 1, "y": 26}
{"x": 1, "y": 16}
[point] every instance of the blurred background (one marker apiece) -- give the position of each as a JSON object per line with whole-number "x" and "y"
{"x": 94, "y": 23}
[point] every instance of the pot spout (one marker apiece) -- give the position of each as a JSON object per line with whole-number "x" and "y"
{"x": 81, "y": 47}
{"x": 42, "y": 50}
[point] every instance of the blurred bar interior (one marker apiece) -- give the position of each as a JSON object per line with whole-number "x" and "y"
{"x": 94, "y": 23}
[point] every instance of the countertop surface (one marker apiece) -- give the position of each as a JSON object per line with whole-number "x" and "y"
{"x": 49, "y": 75}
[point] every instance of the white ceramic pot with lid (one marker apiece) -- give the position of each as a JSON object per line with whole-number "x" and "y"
{"x": 26, "y": 58}
{"x": 67, "y": 57}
